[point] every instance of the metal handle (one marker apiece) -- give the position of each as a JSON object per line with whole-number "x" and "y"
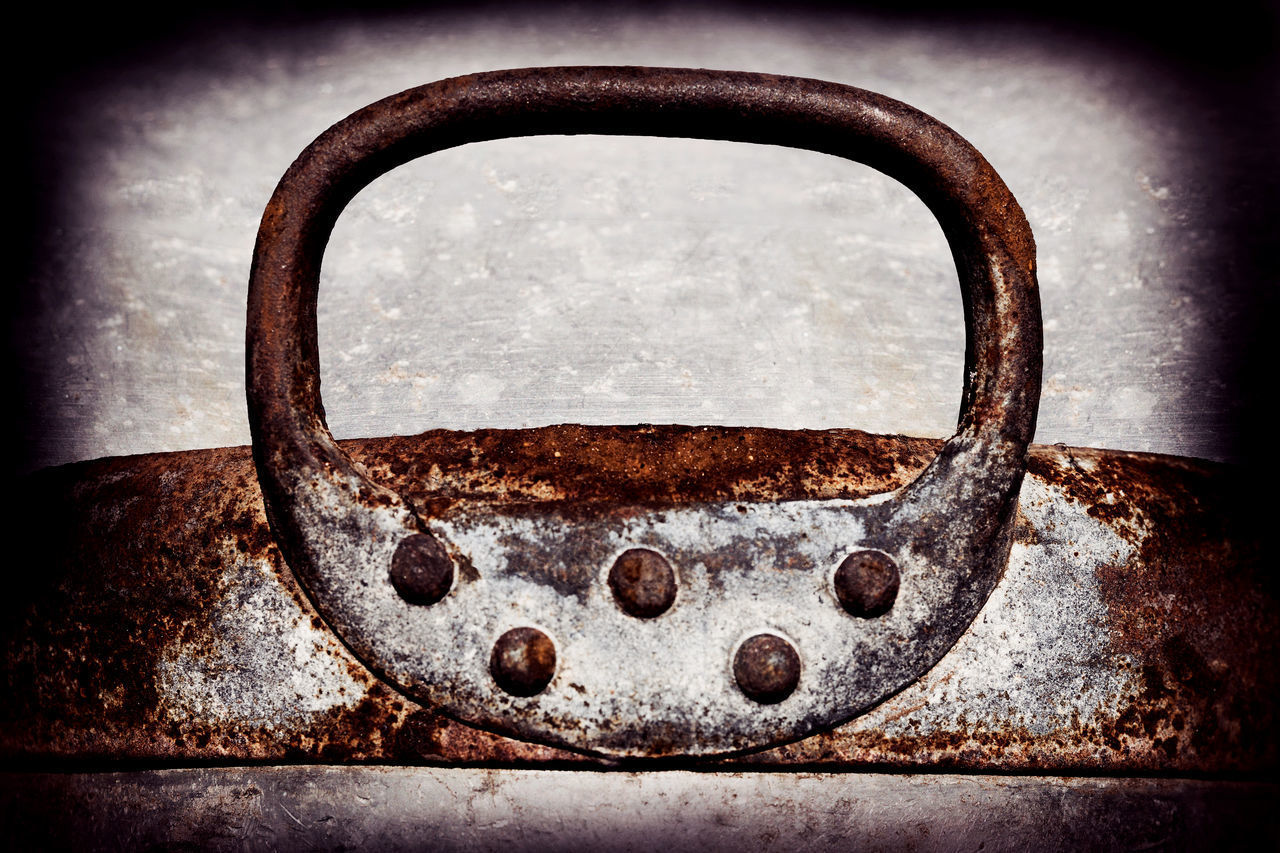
{"x": 341, "y": 532}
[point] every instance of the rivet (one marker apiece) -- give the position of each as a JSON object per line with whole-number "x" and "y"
{"x": 867, "y": 583}
{"x": 421, "y": 570}
{"x": 643, "y": 583}
{"x": 767, "y": 668}
{"x": 523, "y": 661}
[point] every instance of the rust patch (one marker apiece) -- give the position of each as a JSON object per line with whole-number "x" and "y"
{"x": 136, "y": 553}
{"x": 1194, "y": 609}
{"x": 638, "y": 465}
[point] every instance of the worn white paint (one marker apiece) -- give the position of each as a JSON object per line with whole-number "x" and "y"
{"x": 266, "y": 664}
{"x": 1038, "y": 656}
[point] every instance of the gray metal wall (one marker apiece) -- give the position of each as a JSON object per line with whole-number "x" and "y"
{"x": 607, "y": 280}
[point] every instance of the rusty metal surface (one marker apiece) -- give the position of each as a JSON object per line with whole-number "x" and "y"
{"x": 1167, "y": 558}
{"x": 1133, "y": 630}
{"x": 344, "y": 808}
{"x": 622, "y": 688}
{"x": 1125, "y": 180}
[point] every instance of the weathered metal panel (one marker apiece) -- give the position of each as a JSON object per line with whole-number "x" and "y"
{"x": 1132, "y": 631}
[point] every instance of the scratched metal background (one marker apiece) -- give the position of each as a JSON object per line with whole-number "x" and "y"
{"x": 599, "y": 280}
{"x": 531, "y": 282}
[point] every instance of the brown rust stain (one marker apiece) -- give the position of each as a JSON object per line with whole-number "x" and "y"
{"x": 134, "y": 553}
{"x": 638, "y": 465}
{"x": 1084, "y": 746}
{"x": 1195, "y": 609}
{"x": 124, "y": 569}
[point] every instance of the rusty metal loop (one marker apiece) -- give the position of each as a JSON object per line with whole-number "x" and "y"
{"x": 986, "y": 230}
{"x": 339, "y": 530}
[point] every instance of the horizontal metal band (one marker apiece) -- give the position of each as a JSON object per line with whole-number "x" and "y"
{"x": 1134, "y": 629}
{"x": 331, "y": 808}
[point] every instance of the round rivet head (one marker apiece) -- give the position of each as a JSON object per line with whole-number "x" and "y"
{"x": 421, "y": 570}
{"x": 643, "y": 583}
{"x": 767, "y": 668}
{"x": 867, "y": 583}
{"x": 523, "y": 661}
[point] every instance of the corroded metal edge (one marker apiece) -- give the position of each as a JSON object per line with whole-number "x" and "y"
{"x": 162, "y": 624}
